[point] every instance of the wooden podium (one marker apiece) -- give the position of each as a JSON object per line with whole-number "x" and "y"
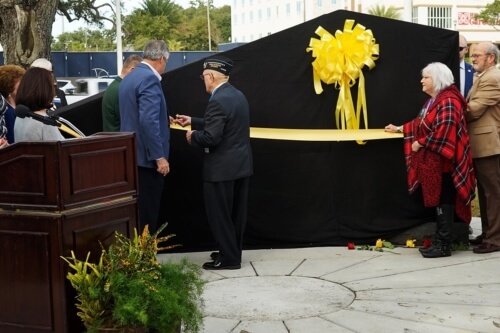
{"x": 58, "y": 197}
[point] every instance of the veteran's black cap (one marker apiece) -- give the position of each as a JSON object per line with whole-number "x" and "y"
{"x": 219, "y": 64}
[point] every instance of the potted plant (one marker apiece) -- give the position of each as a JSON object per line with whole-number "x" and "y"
{"x": 128, "y": 290}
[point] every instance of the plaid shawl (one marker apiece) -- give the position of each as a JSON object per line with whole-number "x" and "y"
{"x": 443, "y": 134}
{"x": 3, "y": 107}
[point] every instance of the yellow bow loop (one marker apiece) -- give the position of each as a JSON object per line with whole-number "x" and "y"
{"x": 339, "y": 61}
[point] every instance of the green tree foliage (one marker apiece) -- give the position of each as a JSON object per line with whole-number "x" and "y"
{"x": 141, "y": 25}
{"x": 194, "y": 34}
{"x": 163, "y": 8}
{"x": 222, "y": 16}
{"x": 383, "y": 11}
{"x": 175, "y": 45}
{"x": 86, "y": 40}
{"x": 182, "y": 29}
{"x": 26, "y": 26}
{"x": 491, "y": 14}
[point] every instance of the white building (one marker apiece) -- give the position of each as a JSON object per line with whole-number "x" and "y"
{"x": 254, "y": 19}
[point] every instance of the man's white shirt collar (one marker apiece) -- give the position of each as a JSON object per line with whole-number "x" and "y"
{"x": 154, "y": 70}
{"x": 213, "y": 91}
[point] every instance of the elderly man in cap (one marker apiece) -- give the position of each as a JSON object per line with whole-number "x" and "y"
{"x": 224, "y": 135}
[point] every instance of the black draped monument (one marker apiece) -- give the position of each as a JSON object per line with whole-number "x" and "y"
{"x": 305, "y": 193}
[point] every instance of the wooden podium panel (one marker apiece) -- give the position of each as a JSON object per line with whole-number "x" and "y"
{"x": 59, "y": 197}
{"x": 61, "y": 175}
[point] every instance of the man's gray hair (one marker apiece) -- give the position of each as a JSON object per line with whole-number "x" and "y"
{"x": 155, "y": 49}
{"x": 493, "y": 49}
{"x": 442, "y": 77}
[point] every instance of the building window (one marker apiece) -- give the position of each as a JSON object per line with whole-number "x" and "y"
{"x": 242, "y": 3}
{"x": 320, "y": 3}
{"x": 268, "y": 13}
{"x": 414, "y": 14}
{"x": 251, "y": 17}
{"x": 439, "y": 17}
{"x": 299, "y": 7}
{"x": 287, "y": 9}
{"x": 334, "y": 2}
{"x": 235, "y": 19}
{"x": 259, "y": 14}
{"x": 243, "y": 18}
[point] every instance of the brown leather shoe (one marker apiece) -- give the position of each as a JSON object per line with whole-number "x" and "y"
{"x": 478, "y": 240}
{"x": 486, "y": 248}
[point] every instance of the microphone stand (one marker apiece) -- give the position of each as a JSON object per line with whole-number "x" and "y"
{"x": 22, "y": 111}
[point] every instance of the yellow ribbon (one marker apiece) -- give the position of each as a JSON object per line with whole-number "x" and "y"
{"x": 318, "y": 135}
{"x": 339, "y": 61}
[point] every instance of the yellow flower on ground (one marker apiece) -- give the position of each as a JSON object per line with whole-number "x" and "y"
{"x": 379, "y": 244}
{"x": 410, "y": 242}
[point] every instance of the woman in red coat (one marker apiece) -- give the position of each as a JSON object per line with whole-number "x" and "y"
{"x": 437, "y": 153}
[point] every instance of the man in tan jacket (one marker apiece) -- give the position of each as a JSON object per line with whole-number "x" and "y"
{"x": 483, "y": 125}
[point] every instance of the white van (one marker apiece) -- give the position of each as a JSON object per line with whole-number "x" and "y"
{"x": 88, "y": 87}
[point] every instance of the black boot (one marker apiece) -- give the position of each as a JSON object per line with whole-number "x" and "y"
{"x": 425, "y": 250}
{"x": 445, "y": 217}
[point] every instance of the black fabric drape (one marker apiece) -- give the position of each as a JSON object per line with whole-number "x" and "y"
{"x": 310, "y": 193}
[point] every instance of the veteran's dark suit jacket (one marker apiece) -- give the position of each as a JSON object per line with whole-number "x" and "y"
{"x": 143, "y": 110}
{"x": 224, "y": 133}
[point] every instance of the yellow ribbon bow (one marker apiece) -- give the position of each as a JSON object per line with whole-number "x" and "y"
{"x": 339, "y": 61}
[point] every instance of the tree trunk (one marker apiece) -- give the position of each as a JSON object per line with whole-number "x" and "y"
{"x": 26, "y": 30}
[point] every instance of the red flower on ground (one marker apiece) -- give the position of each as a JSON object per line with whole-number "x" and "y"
{"x": 350, "y": 246}
{"x": 427, "y": 243}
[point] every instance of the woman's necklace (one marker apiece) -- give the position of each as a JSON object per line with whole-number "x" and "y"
{"x": 425, "y": 110}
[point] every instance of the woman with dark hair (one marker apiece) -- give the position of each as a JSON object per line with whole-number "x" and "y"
{"x": 36, "y": 91}
{"x": 438, "y": 156}
{"x": 10, "y": 77}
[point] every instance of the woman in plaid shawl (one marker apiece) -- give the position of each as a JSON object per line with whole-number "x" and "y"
{"x": 437, "y": 153}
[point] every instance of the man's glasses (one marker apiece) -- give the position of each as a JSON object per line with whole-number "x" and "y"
{"x": 479, "y": 55}
{"x": 202, "y": 76}
{"x": 461, "y": 48}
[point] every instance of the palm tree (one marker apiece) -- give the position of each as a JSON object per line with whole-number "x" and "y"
{"x": 166, "y": 8}
{"x": 175, "y": 45}
{"x": 389, "y": 12}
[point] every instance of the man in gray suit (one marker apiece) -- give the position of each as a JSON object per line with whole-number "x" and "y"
{"x": 483, "y": 125}
{"x": 224, "y": 134}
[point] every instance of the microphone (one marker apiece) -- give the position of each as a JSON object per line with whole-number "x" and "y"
{"x": 23, "y": 111}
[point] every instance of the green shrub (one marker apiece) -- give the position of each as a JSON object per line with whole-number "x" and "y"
{"x": 128, "y": 287}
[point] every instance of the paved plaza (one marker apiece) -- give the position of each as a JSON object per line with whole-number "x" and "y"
{"x": 333, "y": 289}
